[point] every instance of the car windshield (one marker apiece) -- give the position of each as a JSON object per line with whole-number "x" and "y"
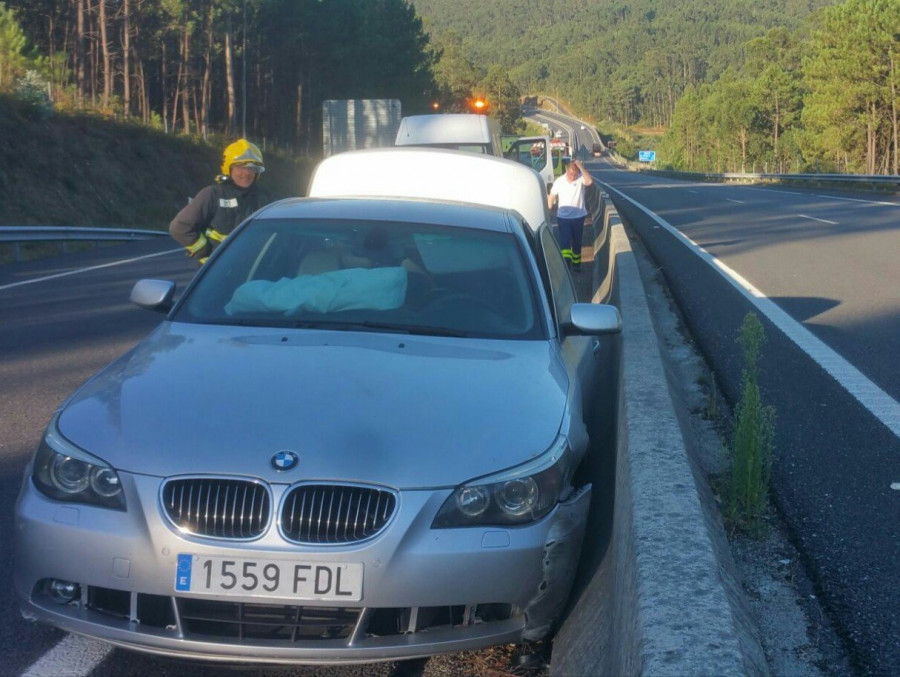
{"x": 369, "y": 276}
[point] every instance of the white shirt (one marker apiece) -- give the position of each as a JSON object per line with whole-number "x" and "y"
{"x": 571, "y": 197}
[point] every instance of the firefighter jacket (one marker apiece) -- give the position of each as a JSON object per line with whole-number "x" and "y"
{"x": 211, "y": 216}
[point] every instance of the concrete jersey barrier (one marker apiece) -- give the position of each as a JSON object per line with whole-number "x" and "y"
{"x": 665, "y": 600}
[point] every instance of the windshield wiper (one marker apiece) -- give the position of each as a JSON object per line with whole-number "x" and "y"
{"x": 419, "y": 330}
{"x": 368, "y": 325}
{"x": 362, "y": 325}
{"x": 348, "y": 326}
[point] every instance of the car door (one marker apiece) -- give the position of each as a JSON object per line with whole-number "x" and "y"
{"x": 580, "y": 354}
{"x": 534, "y": 152}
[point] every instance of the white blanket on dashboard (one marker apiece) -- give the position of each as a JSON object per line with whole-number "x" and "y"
{"x": 351, "y": 289}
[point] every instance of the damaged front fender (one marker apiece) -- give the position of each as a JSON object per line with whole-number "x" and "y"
{"x": 561, "y": 553}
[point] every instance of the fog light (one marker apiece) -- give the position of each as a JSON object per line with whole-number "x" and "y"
{"x": 63, "y": 592}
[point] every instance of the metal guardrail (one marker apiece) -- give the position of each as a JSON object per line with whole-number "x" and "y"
{"x": 17, "y": 235}
{"x": 62, "y": 233}
{"x": 875, "y": 180}
{"x": 849, "y": 178}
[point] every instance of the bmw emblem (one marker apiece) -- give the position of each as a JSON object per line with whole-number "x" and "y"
{"x": 285, "y": 460}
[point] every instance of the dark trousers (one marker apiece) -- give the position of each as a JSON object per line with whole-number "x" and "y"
{"x": 570, "y": 232}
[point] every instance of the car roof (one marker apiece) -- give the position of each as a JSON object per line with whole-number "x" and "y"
{"x": 392, "y": 209}
{"x": 434, "y": 174}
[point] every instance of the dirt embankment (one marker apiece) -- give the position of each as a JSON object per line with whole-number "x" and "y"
{"x": 85, "y": 170}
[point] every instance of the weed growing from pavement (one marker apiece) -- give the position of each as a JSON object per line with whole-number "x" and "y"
{"x": 753, "y": 438}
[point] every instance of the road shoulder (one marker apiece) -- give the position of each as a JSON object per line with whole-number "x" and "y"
{"x": 793, "y": 627}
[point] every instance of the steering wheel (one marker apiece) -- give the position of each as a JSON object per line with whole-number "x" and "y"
{"x": 470, "y": 312}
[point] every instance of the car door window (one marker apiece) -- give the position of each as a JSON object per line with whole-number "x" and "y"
{"x": 560, "y": 282}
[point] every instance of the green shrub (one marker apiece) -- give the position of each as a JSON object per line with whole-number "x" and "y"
{"x": 753, "y": 438}
{"x": 32, "y": 91}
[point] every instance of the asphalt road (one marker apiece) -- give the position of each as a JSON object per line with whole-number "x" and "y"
{"x": 822, "y": 267}
{"x": 580, "y": 136}
{"x": 55, "y": 335}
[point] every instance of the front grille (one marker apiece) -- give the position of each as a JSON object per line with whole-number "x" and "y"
{"x": 245, "y": 621}
{"x": 219, "y": 508}
{"x": 323, "y": 514}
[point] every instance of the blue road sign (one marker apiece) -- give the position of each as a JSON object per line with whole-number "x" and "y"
{"x": 647, "y": 155}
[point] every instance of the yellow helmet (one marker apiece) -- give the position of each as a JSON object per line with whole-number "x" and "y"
{"x": 242, "y": 152}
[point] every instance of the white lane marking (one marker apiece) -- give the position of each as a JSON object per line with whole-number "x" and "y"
{"x": 813, "y": 218}
{"x": 693, "y": 191}
{"x": 855, "y": 199}
{"x": 834, "y": 197}
{"x": 740, "y": 202}
{"x": 881, "y": 405}
{"x": 85, "y": 270}
{"x": 73, "y": 656}
{"x": 895, "y": 486}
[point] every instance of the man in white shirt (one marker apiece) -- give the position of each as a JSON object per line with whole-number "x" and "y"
{"x": 569, "y": 190}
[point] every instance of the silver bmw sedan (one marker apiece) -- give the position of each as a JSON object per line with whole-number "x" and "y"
{"x": 355, "y": 437}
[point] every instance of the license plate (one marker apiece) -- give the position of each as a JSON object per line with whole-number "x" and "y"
{"x": 269, "y": 578}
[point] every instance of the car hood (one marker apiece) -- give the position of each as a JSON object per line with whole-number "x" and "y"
{"x": 398, "y": 410}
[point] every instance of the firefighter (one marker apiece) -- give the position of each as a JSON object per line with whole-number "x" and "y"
{"x": 218, "y": 209}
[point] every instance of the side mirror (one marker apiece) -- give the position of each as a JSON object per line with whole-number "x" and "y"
{"x": 155, "y": 295}
{"x": 593, "y": 319}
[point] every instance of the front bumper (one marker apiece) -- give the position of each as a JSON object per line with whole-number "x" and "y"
{"x": 425, "y": 591}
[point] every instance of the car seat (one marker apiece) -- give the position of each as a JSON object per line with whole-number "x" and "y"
{"x": 319, "y": 261}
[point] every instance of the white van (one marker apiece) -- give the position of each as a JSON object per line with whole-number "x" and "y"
{"x": 477, "y": 134}
{"x": 455, "y": 131}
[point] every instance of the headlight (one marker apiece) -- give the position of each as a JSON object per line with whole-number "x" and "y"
{"x": 64, "y": 472}
{"x": 518, "y": 496}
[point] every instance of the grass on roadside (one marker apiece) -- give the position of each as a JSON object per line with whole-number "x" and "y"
{"x": 746, "y": 498}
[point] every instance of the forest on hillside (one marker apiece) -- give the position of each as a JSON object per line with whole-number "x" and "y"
{"x": 623, "y": 60}
{"x": 825, "y": 98}
{"x": 255, "y": 67}
{"x": 770, "y": 85}
{"x": 258, "y": 68}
